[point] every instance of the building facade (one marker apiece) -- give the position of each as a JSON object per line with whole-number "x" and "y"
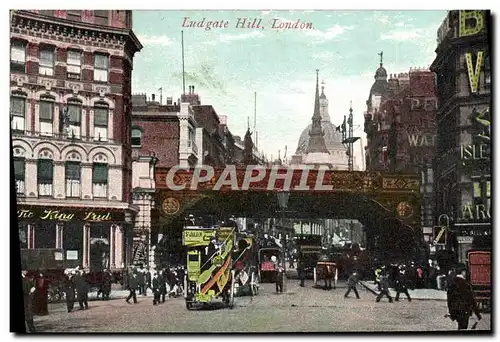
{"x": 462, "y": 164}
{"x": 70, "y": 92}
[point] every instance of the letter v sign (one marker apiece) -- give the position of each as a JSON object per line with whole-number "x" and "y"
{"x": 474, "y": 72}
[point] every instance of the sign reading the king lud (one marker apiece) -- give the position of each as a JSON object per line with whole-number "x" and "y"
{"x": 65, "y": 214}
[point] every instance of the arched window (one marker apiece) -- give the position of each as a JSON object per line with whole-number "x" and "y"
{"x": 46, "y": 115}
{"x": 136, "y": 137}
{"x": 18, "y": 112}
{"x": 20, "y": 174}
{"x": 72, "y": 118}
{"x": 73, "y": 174}
{"x": 100, "y": 176}
{"x": 45, "y": 173}
{"x": 101, "y": 114}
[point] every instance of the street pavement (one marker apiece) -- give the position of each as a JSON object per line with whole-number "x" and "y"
{"x": 299, "y": 309}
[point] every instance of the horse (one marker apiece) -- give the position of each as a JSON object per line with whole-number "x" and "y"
{"x": 327, "y": 271}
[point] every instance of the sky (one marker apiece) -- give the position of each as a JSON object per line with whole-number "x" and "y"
{"x": 228, "y": 64}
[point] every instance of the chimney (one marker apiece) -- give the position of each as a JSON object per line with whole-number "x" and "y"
{"x": 193, "y": 89}
{"x": 153, "y": 97}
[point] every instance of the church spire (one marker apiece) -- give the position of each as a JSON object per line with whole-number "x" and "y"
{"x": 316, "y": 139}
{"x": 381, "y": 54}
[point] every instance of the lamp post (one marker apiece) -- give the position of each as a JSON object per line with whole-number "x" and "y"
{"x": 283, "y": 197}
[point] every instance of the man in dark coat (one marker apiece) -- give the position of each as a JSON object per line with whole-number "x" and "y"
{"x": 69, "y": 289}
{"x": 384, "y": 287}
{"x": 28, "y": 289}
{"x": 148, "y": 279}
{"x": 155, "y": 284}
{"x": 163, "y": 284}
{"x": 106, "y": 285}
{"x": 141, "y": 281}
{"x": 132, "y": 286}
{"x": 280, "y": 278}
{"x": 82, "y": 290}
{"x": 351, "y": 284}
{"x": 400, "y": 284}
{"x": 461, "y": 301}
{"x": 301, "y": 273}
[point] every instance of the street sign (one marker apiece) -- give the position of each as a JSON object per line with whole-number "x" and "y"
{"x": 439, "y": 234}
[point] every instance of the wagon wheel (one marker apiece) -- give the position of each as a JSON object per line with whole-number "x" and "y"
{"x": 189, "y": 305}
{"x": 230, "y": 300}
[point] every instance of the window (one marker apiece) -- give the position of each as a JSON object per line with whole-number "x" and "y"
{"x": 101, "y": 122}
{"x": 74, "y": 64}
{"x": 19, "y": 174}
{"x": 46, "y": 61}
{"x": 73, "y": 179}
{"x": 74, "y": 115}
{"x": 100, "y": 180}
{"x": 190, "y": 137}
{"x": 74, "y": 15}
{"x": 18, "y": 57}
{"x": 101, "y": 17}
{"x": 136, "y": 137}
{"x": 17, "y": 113}
{"x": 45, "y": 177}
{"x": 101, "y": 68}
{"x": 45, "y": 235}
{"x": 46, "y": 113}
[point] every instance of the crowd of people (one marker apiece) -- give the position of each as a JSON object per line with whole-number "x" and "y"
{"x": 167, "y": 282}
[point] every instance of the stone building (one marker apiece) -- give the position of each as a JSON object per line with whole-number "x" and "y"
{"x": 462, "y": 164}
{"x": 70, "y": 92}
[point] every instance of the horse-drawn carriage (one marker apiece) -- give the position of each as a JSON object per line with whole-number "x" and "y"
{"x": 326, "y": 270}
{"x": 245, "y": 266}
{"x": 210, "y": 273}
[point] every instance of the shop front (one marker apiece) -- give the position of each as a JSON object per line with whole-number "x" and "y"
{"x": 95, "y": 238}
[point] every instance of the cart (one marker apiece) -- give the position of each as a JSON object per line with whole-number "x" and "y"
{"x": 326, "y": 270}
{"x": 210, "y": 273}
{"x": 268, "y": 270}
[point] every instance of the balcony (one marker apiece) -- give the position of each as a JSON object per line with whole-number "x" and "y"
{"x": 60, "y": 136}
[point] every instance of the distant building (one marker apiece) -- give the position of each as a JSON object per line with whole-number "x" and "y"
{"x": 321, "y": 142}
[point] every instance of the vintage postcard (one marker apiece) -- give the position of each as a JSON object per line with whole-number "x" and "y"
{"x": 263, "y": 171}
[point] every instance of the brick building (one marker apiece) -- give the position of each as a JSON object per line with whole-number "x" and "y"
{"x": 462, "y": 160}
{"x": 401, "y": 131}
{"x": 70, "y": 88}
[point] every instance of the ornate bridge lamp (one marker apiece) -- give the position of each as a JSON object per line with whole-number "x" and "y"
{"x": 283, "y": 197}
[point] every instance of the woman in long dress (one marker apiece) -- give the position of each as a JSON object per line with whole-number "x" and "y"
{"x": 40, "y": 300}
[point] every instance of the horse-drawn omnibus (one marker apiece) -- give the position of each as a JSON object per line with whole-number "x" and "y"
{"x": 245, "y": 265}
{"x": 326, "y": 270}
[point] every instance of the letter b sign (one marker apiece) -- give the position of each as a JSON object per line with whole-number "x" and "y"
{"x": 471, "y": 22}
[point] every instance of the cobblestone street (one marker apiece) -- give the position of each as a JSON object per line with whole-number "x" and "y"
{"x": 299, "y": 309}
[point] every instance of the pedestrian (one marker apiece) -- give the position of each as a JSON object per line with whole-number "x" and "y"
{"x": 148, "y": 279}
{"x": 300, "y": 271}
{"x": 280, "y": 278}
{"x": 384, "y": 287}
{"x": 351, "y": 284}
{"x": 378, "y": 272}
{"x": 40, "y": 300}
{"x": 132, "y": 286}
{"x": 106, "y": 284}
{"x": 28, "y": 290}
{"x": 461, "y": 301}
{"x": 163, "y": 285}
{"x": 141, "y": 281}
{"x": 156, "y": 289}
{"x": 400, "y": 284}
{"x": 82, "y": 290}
{"x": 69, "y": 289}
